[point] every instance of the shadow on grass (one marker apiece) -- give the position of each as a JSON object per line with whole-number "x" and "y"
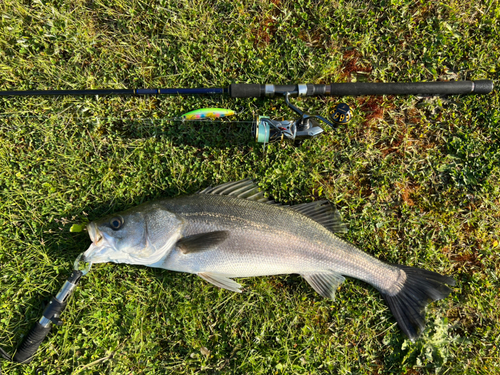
{"x": 200, "y": 134}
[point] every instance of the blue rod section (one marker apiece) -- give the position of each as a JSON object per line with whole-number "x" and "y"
{"x": 147, "y": 91}
{"x": 199, "y": 91}
{"x": 67, "y": 92}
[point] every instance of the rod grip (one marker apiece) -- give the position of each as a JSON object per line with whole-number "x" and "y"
{"x": 483, "y": 86}
{"x": 412, "y": 88}
{"x": 245, "y": 90}
{"x": 31, "y": 343}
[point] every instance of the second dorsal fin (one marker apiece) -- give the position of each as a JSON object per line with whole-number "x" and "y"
{"x": 324, "y": 213}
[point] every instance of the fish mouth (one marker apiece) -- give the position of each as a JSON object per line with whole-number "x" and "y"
{"x": 94, "y": 233}
{"x": 96, "y": 238}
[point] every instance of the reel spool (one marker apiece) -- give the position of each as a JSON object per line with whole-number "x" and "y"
{"x": 266, "y": 130}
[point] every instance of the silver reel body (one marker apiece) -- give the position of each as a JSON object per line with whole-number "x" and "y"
{"x": 305, "y": 126}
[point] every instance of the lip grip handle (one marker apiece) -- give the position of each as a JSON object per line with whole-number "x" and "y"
{"x": 51, "y": 314}
{"x": 31, "y": 343}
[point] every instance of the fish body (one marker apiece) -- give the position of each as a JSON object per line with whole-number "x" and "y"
{"x": 232, "y": 231}
{"x": 260, "y": 235}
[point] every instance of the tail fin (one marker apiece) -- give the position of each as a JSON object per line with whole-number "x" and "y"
{"x": 420, "y": 288}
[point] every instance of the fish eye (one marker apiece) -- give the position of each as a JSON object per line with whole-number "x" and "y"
{"x": 116, "y": 222}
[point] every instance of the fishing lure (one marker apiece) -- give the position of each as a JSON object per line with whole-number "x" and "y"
{"x": 207, "y": 113}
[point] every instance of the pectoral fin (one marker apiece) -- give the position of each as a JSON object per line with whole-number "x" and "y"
{"x": 221, "y": 281}
{"x": 201, "y": 241}
{"x": 325, "y": 283}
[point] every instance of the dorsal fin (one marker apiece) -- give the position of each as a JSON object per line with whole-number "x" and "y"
{"x": 324, "y": 213}
{"x": 246, "y": 189}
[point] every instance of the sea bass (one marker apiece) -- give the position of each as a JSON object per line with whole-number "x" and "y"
{"x": 232, "y": 230}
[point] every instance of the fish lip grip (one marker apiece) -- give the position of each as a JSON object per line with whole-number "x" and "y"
{"x": 86, "y": 268}
{"x": 51, "y": 314}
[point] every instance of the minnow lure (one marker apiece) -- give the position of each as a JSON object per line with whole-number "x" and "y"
{"x": 207, "y": 113}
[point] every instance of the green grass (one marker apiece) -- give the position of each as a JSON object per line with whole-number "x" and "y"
{"x": 417, "y": 180}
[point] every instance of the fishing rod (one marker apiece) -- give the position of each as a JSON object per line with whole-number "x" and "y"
{"x": 243, "y": 90}
{"x": 305, "y": 125}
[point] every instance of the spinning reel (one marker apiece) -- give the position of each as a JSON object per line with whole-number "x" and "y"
{"x": 305, "y": 126}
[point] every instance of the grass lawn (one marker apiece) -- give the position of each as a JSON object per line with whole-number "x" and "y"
{"x": 417, "y": 180}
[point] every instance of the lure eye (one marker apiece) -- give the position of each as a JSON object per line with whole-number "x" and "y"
{"x": 116, "y": 222}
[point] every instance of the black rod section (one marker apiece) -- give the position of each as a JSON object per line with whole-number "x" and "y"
{"x": 412, "y": 88}
{"x": 355, "y": 89}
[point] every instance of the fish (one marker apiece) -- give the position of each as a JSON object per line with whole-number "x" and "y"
{"x": 233, "y": 230}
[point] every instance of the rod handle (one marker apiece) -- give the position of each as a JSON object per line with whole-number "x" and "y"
{"x": 412, "y": 88}
{"x": 241, "y": 90}
{"x": 31, "y": 343}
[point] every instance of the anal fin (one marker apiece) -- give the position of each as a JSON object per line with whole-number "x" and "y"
{"x": 221, "y": 281}
{"x": 325, "y": 283}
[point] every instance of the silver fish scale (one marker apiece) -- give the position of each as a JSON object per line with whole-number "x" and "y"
{"x": 267, "y": 240}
